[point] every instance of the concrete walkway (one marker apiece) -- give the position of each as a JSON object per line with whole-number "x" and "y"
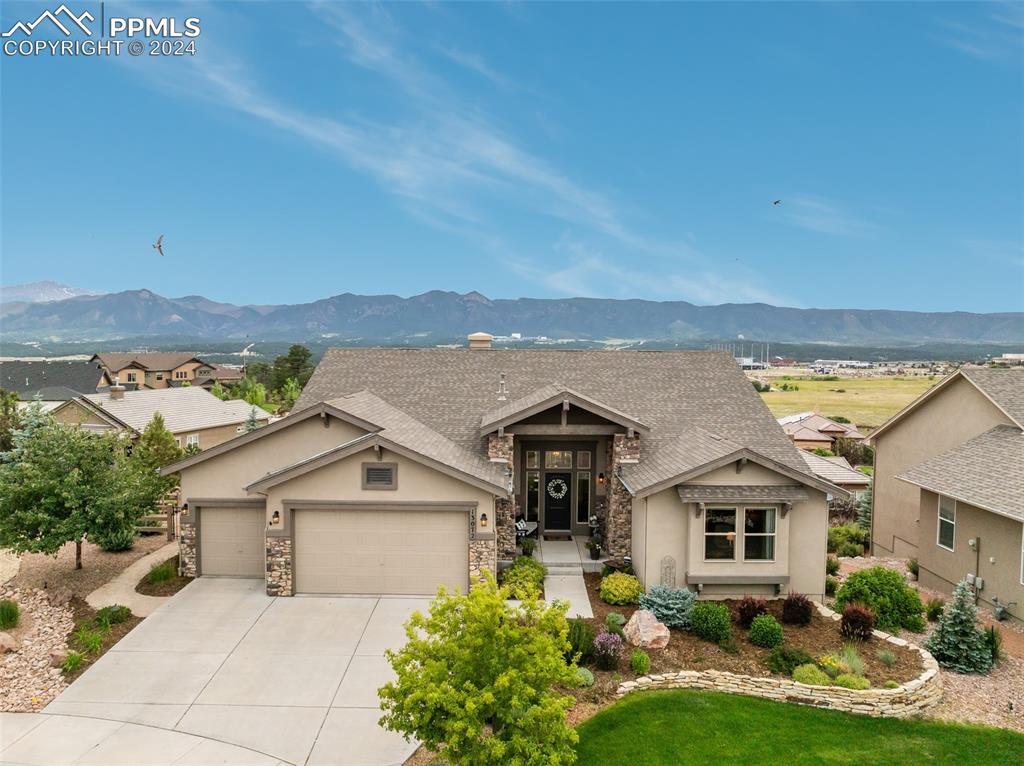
{"x": 121, "y": 590}
{"x": 564, "y": 581}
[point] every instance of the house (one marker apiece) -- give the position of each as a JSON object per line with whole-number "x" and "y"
{"x": 194, "y": 415}
{"x": 808, "y": 430}
{"x": 837, "y": 470}
{"x": 400, "y": 470}
{"x": 218, "y": 373}
{"x": 948, "y": 478}
{"x": 52, "y": 382}
{"x": 153, "y": 369}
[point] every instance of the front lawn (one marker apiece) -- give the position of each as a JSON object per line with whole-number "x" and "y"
{"x": 684, "y": 726}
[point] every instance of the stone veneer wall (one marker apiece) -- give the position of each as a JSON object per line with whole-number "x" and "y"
{"x": 501, "y": 449}
{"x": 187, "y": 549}
{"x": 908, "y": 699}
{"x": 279, "y": 566}
{"x": 481, "y": 556}
{"x": 619, "y": 520}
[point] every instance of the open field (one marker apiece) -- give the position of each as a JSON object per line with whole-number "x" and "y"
{"x": 867, "y": 402}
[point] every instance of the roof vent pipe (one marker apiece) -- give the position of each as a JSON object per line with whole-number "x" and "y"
{"x": 502, "y": 388}
{"x": 117, "y": 390}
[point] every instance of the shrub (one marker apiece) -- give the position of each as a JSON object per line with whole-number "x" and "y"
{"x": 849, "y": 681}
{"x": 524, "y": 579}
{"x": 72, "y": 662}
{"x": 613, "y": 623}
{"x": 119, "y": 539}
{"x": 10, "y": 613}
{"x": 957, "y": 644}
{"x": 891, "y": 685}
{"x": 831, "y": 583}
{"x": 89, "y": 641}
{"x": 670, "y": 605}
{"x": 994, "y": 642}
{"x": 886, "y": 657}
{"x": 797, "y": 609}
{"x": 710, "y": 621}
{"x": 581, "y": 640}
{"x": 848, "y": 533}
{"x": 831, "y": 565}
{"x": 915, "y": 624}
{"x": 913, "y": 567}
{"x": 159, "y": 573}
{"x": 849, "y": 660}
{"x": 640, "y": 662}
{"x": 112, "y": 615}
{"x": 784, "y": 660}
{"x": 811, "y": 674}
{"x": 765, "y": 631}
{"x": 893, "y": 602}
{"x": 934, "y": 609}
{"x": 621, "y": 588}
{"x": 528, "y": 545}
{"x": 607, "y": 650}
{"x": 749, "y": 608}
{"x": 850, "y": 550}
{"x": 857, "y": 622}
{"x": 584, "y": 677}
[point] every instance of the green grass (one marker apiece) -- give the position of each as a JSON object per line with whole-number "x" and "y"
{"x": 868, "y": 402}
{"x": 164, "y": 572}
{"x": 10, "y": 613}
{"x": 682, "y": 726}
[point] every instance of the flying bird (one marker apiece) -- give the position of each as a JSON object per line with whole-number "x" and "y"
{"x": 777, "y": 202}
{"x": 159, "y": 244}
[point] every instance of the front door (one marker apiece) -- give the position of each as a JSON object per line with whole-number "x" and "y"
{"x": 558, "y": 500}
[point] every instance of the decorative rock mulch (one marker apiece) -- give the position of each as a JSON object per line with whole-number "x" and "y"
{"x": 28, "y": 680}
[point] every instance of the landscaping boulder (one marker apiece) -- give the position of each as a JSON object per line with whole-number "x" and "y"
{"x": 57, "y": 657}
{"x": 8, "y": 643}
{"x": 644, "y": 630}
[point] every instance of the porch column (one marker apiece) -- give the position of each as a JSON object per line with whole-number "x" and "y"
{"x": 186, "y": 546}
{"x": 619, "y": 523}
{"x": 500, "y": 449}
{"x": 279, "y": 565}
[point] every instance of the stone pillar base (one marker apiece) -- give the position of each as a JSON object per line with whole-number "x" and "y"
{"x": 279, "y": 566}
{"x": 187, "y": 550}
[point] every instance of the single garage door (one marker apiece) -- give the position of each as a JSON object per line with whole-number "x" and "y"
{"x": 386, "y": 552}
{"x": 232, "y": 542}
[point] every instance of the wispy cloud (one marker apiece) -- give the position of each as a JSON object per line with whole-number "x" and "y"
{"x": 996, "y": 36}
{"x": 474, "y": 62}
{"x": 825, "y": 216}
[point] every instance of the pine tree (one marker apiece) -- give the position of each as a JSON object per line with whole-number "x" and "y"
{"x": 156, "y": 448}
{"x": 33, "y": 419}
{"x": 864, "y": 511}
{"x": 252, "y": 422}
{"x": 957, "y": 643}
{"x": 10, "y": 419}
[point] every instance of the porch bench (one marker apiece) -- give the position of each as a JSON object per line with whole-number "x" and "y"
{"x": 700, "y": 580}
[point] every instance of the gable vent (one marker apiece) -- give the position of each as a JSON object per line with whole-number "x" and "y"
{"x": 378, "y": 476}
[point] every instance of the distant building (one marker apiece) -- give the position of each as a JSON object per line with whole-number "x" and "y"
{"x": 809, "y": 430}
{"x": 153, "y": 369}
{"x": 783, "y": 361}
{"x": 192, "y": 414}
{"x": 52, "y": 382}
{"x": 839, "y": 471}
{"x": 839, "y": 364}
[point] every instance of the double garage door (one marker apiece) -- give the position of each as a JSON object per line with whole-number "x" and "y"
{"x": 379, "y": 552}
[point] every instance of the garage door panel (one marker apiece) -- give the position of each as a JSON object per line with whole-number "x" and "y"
{"x": 393, "y": 552}
{"x": 232, "y": 542}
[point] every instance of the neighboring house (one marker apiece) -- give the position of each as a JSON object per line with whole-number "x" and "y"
{"x": 400, "y": 470}
{"x": 218, "y": 373}
{"x": 51, "y": 382}
{"x": 948, "y": 472}
{"x": 838, "y": 471}
{"x": 808, "y": 430}
{"x": 194, "y": 415}
{"x": 154, "y": 369}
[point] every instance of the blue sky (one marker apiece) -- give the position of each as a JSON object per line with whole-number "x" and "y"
{"x": 542, "y": 150}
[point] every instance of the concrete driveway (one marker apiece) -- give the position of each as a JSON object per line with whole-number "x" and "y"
{"x": 290, "y": 680}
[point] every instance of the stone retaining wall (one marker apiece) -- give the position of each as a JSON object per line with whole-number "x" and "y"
{"x": 908, "y": 699}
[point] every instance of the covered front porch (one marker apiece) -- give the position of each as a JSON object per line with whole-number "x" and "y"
{"x": 572, "y": 555}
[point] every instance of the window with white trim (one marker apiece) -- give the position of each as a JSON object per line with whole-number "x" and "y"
{"x": 181, "y": 374}
{"x": 759, "y": 534}
{"x": 132, "y": 377}
{"x": 720, "y": 534}
{"x": 192, "y": 440}
{"x": 946, "y": 532}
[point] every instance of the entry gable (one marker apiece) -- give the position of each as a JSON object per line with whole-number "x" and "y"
{"x": 550, "y": 396}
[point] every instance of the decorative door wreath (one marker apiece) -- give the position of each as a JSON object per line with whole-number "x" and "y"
{"x": 557, "y": 488}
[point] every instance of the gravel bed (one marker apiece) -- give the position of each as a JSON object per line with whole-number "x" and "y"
{"x": 28, "y": 681}
{"x": 984, "y": 699}
{"x": 57, "y": 574}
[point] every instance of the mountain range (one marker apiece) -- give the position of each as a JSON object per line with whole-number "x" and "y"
{"x": 437, "y": 316}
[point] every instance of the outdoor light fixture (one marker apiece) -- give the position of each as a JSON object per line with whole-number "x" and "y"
{"x": 275, "y": 519}
{"x": 600, "y": 479}
{"x": 483, "y": 519}
{"x": 184, "y": 509}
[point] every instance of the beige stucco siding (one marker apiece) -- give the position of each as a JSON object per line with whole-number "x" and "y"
{"x": 211, "y": 437}
{"x": 74, "y": 414}
{"x": 343, "y": 481}
{"x": 226, "y": 475}
{"x": 668, "y": 527}
{"x": 948, "y": 418}
{"x": 999, "y": 562}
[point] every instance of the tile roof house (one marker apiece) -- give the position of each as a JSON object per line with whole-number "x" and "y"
{"x": 52, "y": 382}
{"x": 153, "y": 369}
{"x": 403, "y": 469}
{"x": 838, "y": 470}
{"x": 808, "y": 430}
{"x": 949, "y": 469}
{"x": 194, "y": 415}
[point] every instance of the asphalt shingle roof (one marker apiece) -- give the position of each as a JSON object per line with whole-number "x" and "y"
{"x": 673, "y": 392}
{"x": 150, "y": 360}
{"x": 1004, "y": 387}
{"x": 184, "y": 409}
{"x": 54, "y": 380}
{"x": 986, "y": 471}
